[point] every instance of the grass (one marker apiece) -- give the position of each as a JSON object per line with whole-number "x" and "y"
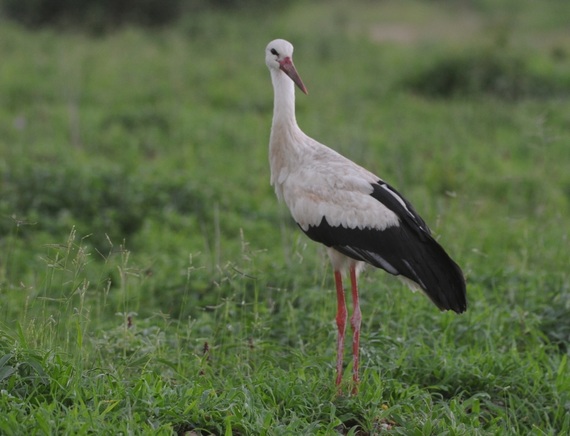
{"x": 150, "y": 282}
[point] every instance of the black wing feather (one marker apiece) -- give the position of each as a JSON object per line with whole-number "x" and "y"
{"x": 407, "y": 249}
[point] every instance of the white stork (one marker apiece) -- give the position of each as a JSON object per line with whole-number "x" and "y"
{"x": 358, "y": 216}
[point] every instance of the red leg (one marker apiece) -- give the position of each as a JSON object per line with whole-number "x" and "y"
{"x": 341, "y": 324}
{"x": 355, "y": 320}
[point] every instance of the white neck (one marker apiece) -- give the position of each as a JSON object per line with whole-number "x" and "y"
{"x": 287, "y": 140}
{"x": 284, "y": 101}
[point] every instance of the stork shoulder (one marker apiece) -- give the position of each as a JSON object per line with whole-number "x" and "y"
{"x": 342, "y": 194}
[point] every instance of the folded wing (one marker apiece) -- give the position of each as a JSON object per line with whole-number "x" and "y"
{"x": 403, "y": 247}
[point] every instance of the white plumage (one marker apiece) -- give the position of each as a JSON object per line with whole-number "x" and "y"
{"x": 358, "y": 216}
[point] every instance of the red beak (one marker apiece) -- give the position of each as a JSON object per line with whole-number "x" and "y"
{"x": 286, "y": 65}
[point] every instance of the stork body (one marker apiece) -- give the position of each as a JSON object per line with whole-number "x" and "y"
{"x": 359, "y": 217}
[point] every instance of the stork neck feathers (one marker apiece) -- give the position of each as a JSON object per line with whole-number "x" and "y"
{"x": 284, "y": 103}
{"x": 287, "y": 143}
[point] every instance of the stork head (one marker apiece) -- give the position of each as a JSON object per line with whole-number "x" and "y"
{"x": 279, "y": 57}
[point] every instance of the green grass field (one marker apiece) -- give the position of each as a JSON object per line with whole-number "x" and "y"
{"x": 150, "y": 283}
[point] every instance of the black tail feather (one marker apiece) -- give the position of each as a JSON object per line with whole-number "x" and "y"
{"x": 400, "y": 251}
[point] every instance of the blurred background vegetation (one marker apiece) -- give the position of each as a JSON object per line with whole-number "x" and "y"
{"x": 143, "y": 121}
{"x": 107, "y": 15}
{"x": 147, "y": 122}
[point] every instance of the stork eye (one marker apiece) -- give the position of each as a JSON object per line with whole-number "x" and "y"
{"x": 274, "y": 52}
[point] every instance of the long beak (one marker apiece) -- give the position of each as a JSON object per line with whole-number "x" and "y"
{"x": 286, "y": 65}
